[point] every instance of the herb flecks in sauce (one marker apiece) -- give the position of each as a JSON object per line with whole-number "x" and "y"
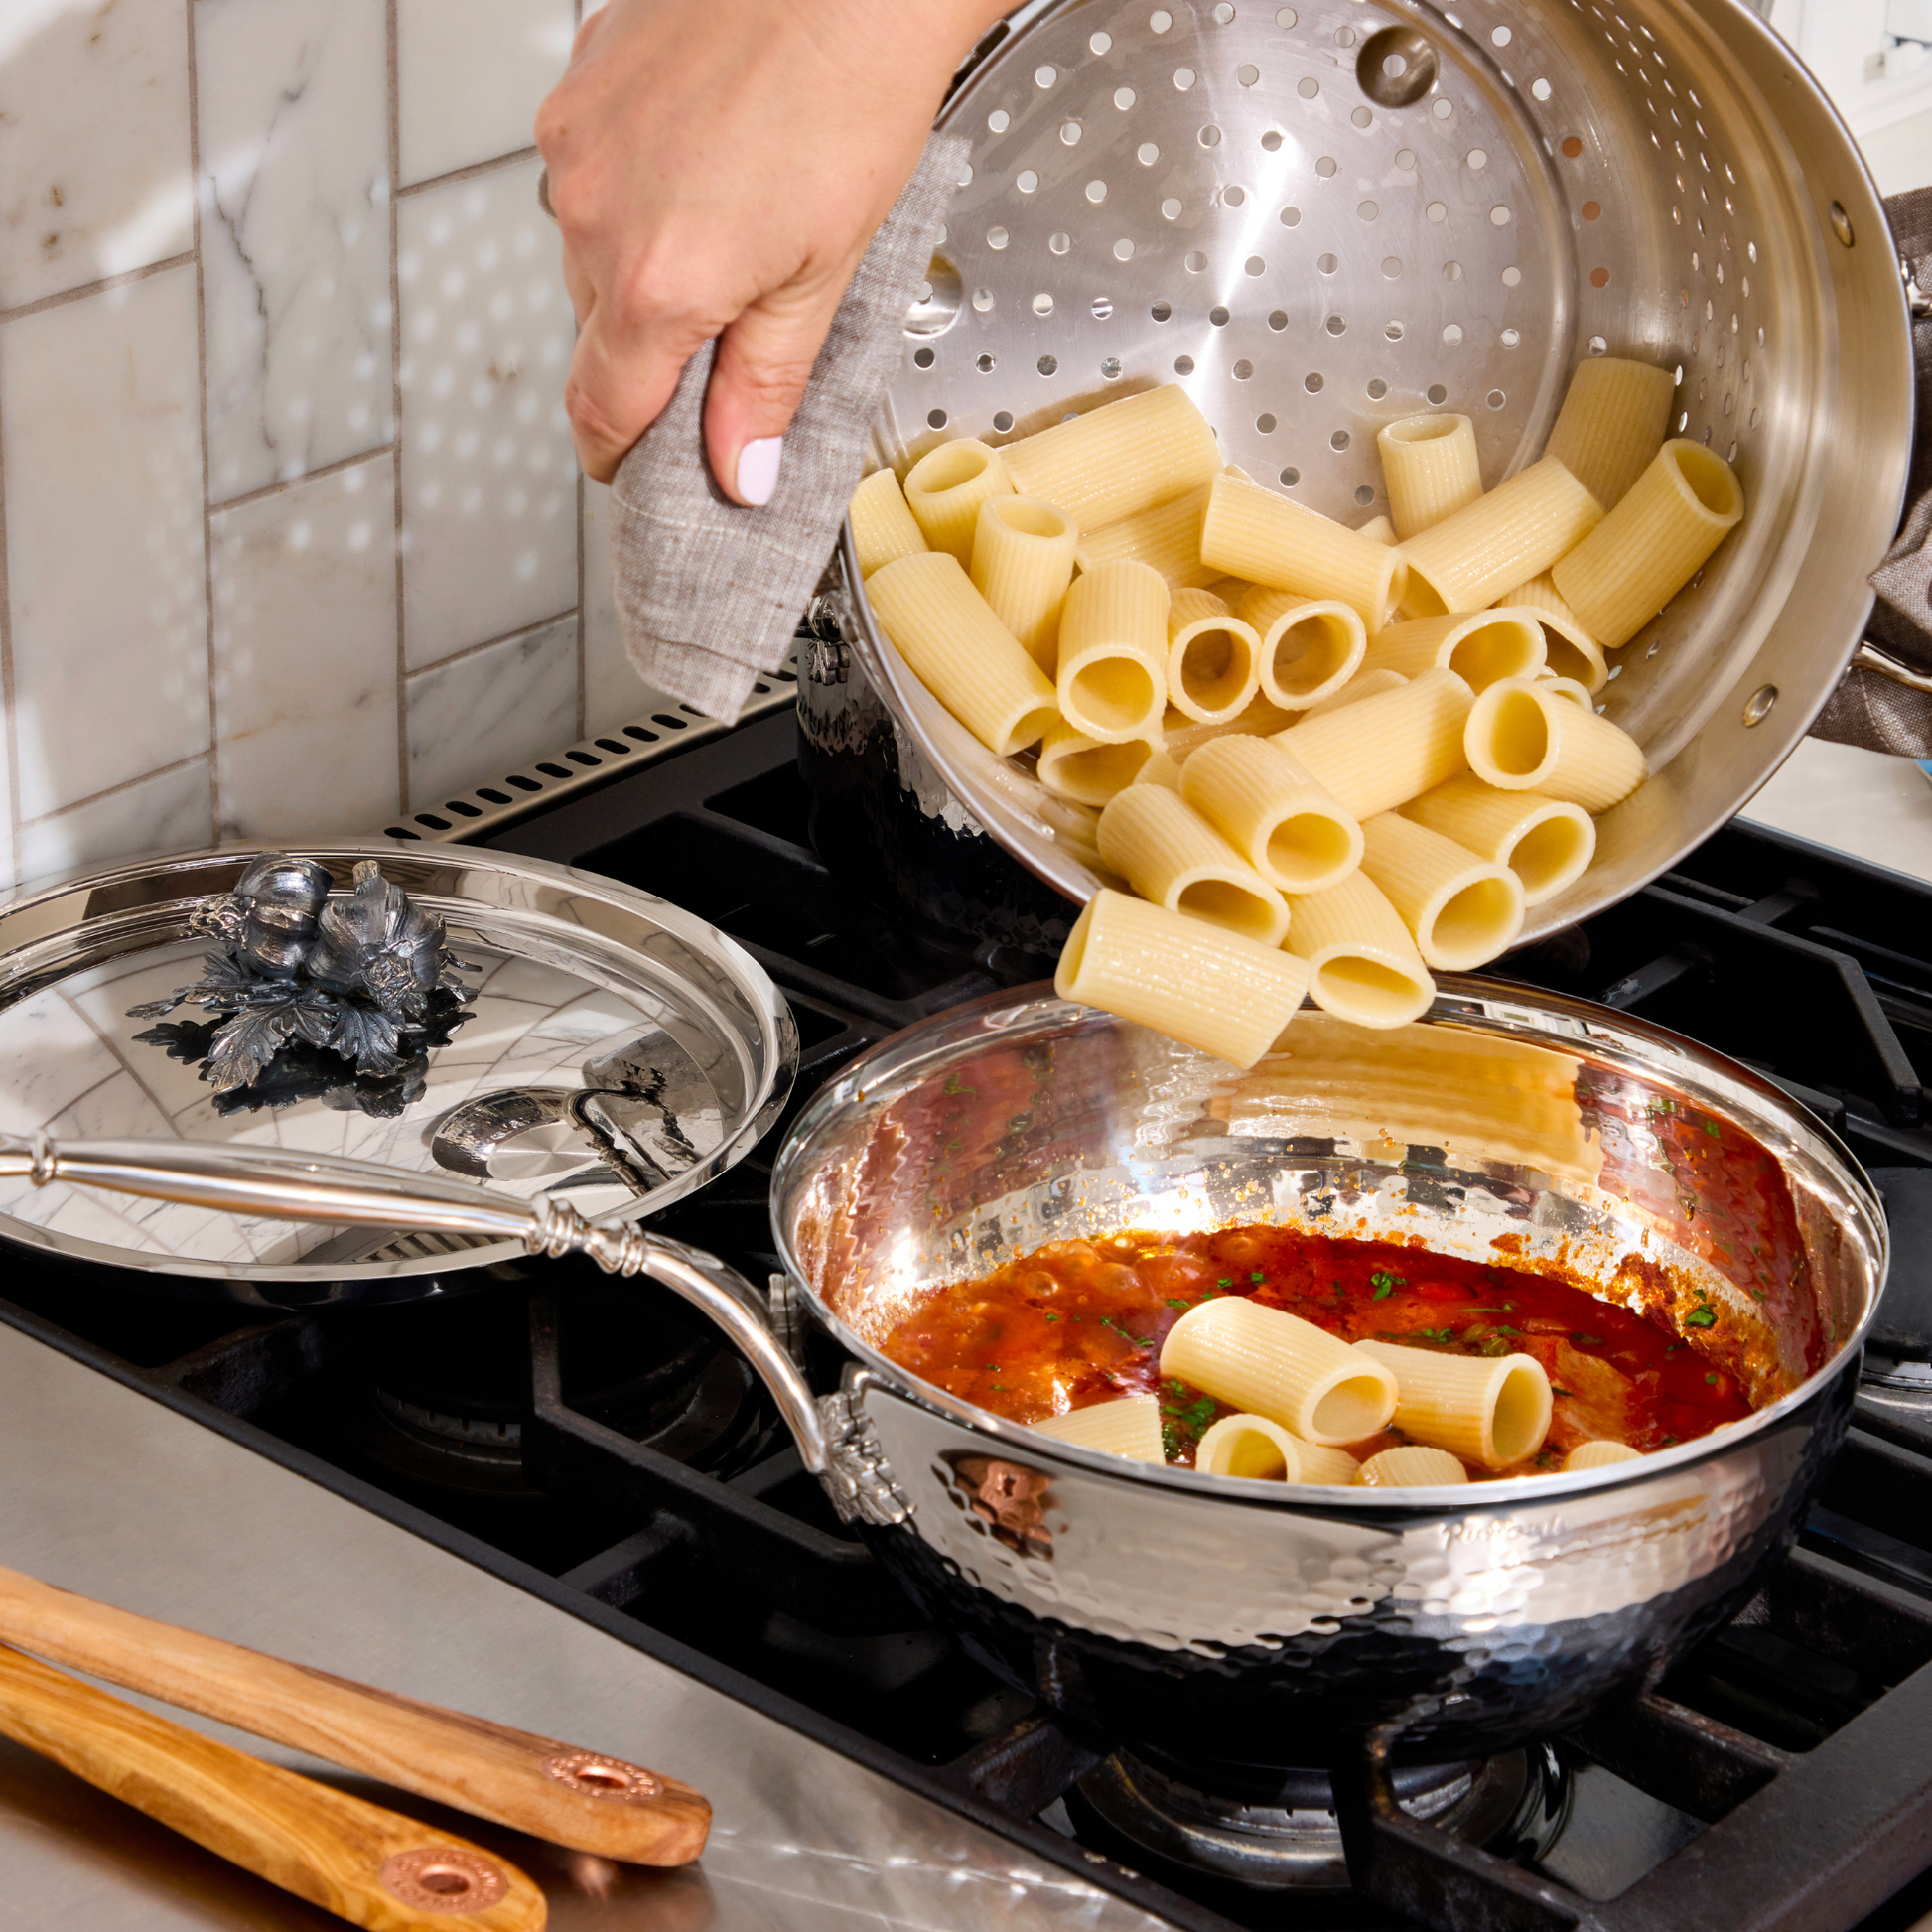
{"x": 1082, "y": 1322}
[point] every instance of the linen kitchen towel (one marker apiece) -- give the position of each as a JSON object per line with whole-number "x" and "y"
{"x": 709, "y": 595}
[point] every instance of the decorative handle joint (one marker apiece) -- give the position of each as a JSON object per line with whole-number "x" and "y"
{"x": 861, "y": 1484}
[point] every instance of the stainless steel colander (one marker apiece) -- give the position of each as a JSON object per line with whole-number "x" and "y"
{"x": 1324, "y": 216}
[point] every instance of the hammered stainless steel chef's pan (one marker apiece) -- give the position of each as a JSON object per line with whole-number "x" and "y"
{"x": 1252, "y": 200}
{"x": 1244, "y": 1627}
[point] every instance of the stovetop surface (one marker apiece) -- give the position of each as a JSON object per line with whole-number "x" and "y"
{"x": 1793, "y": 1746}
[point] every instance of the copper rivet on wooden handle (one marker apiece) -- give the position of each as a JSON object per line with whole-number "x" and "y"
{"x": 597, "y": 1776}
{"x": 444, "y": 1879}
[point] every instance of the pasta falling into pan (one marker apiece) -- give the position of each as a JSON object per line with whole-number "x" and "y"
{"x": 1325, "y": 762}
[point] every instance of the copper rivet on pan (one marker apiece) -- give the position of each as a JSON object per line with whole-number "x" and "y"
{"x": 444, "y": 1879}
{"x": 604, "y": 1777}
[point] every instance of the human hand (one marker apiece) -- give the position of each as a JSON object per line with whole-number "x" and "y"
{"x": 718, "y": 169}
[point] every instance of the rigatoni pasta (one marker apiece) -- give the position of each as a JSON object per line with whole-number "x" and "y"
{"x": 1598, "y": 1456}
{"x": 1174, "y": 857}
{"x": 1270, "y": 809}
{"x": 1166, "y": 538}
{"x": 945, "y": 489}
{"x": 1196, "y": 983}
{"x": 1641, "y": 555}
{"x": 1411, "y": 1466}
{"x": 1430, "y": 465}
{"x": 1611, "y": 424}
{"x": 1309, "y": 647}
{"x": 1251, "y": 532}
{"x": 1546, "y": 842}
{"x": 1387, "y": 750}
{"x": 1463, "y": 909}
{"x": 1363, "y": 965}
{"x": 1112, "y": 680}
{"x": 1129, "y": 1427}
{"x": 1364, "y": 684}
{"x": 1213, "y": 658}
{"x": 1021, "y": 564}
{"x": 1515, "y": 532}
{"x": 882, "y": 528}
{"x": 1567, "y": 647}
{"x": 1491, "y": 1410}
{"x": 1260, "y": 1449}
{"x": 1119, "y": 459}
{"x": 1268, "y": 1363}
{"x": 1073, "y": 766}
{"x": 1521, "y": 737}
{"x": 1182, "y": 736}
{"x": 1479, "y": 648}
{"x": 961, "y": 652}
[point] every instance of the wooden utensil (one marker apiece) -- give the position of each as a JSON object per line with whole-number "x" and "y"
{"x": 368, "y": 1865}
{"x": 551, "y": 1790}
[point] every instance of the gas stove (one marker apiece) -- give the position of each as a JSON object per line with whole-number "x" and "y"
{"x": 598, "y": 1445}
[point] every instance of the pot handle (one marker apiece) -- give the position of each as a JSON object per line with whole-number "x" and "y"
{"x": 283, "y": 1183}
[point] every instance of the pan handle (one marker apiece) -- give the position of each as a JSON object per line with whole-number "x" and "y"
{"x": 283, "y": 1183}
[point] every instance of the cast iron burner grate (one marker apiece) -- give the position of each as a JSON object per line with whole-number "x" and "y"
{"x": 1779, "y": 1780}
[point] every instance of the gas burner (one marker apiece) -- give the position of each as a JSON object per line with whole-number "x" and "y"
{"x": 439, "y": 1391}
{"x": 1515, "y": 1804}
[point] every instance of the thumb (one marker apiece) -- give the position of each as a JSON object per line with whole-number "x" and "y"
{"x": 765, "y": 361}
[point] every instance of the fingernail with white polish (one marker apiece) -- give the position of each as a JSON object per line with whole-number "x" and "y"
{"x": 758, "y": 470}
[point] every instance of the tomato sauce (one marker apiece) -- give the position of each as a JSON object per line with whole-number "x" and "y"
{"x": 1077, "y": 1323}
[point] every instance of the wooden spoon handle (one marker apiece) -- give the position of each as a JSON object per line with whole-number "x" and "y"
{"x": 551, "y": 1790}
{"x": 368, "y": 1865}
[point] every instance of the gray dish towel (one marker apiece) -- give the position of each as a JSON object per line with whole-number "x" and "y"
{"x": 709, "y": 595}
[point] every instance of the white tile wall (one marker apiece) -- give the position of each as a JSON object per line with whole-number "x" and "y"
{"x": 288, "y": 521}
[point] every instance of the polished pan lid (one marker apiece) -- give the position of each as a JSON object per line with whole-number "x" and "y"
{"x": 618, "y": 1052}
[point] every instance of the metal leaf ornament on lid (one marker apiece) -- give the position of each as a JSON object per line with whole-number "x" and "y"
{"x": 366, "y": 978}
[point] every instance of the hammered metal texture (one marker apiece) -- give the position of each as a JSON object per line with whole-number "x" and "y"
{"x": 1262, "y": 1624}
{"x": 1209, "y": 193}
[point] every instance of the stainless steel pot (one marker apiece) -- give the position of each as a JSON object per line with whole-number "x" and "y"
{"x": 1243, "y": 1626}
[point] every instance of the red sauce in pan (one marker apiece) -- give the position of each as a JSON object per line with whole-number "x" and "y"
{"x": 1082, "y": 1322}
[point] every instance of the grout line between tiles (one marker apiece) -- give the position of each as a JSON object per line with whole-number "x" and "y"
{"x": 489, "y": 644}
{"x": 106, "y": 281}
{"x": 126, "y": 784}
{"x": 7, "y": 678}
{"x": 470, "y": 173}
{"x": 390, "y": 35}
{"x": 201, "y": 382}
{"x": 287, "y": 483}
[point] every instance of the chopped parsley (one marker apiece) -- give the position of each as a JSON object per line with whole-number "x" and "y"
{"x": 1258, "y": 1276}
{"x": 1170, "y": 1442}
{"x": 1138, "y": 1341}
{"x": 1434, "y": 1334}
{"x": 1705, "y": 1317}
{"x": 1711, "y": 1128}
{"x": 1586, "y": 1341}
{"x": 1711, "y": 1379}
{"x": 1386, "y": 1285}
{"x": 1052, "y": 1316}
{"x": 1226, "y": 1281}
{"x": 1179, "y": 1302}
{"x": 1554, "y": 1390}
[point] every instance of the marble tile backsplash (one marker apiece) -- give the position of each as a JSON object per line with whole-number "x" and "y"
{"x": 292, "y": 540}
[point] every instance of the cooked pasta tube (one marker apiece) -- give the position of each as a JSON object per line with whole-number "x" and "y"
{"x": 1269, "y": 1363}
{"x": 1251, "y": 532}
{"x": 1564, "y": 687}
{"x": 1653, "y": 543}
{"x": 960, "y": 651}
{"x": 1548, "y": 843}
{"x": 1378, "y": 529}
{"x": 1430, "y": 465}
{"x": 1386, "y": 750}
{"x": 1364, "y": 684}
{"x": 1411, "y": 1467}
{"x": 1515, "y": 532}
{"x": 1522, "y": 737}
{"x": 1611, "y": 424}
{"x": 1567, "y": 647}
{"x": 1598, "y": 1455}
{"x": 945, "y": 489}
{"x": 1261, "y": 1449}
{"x": 1160, "y": 769}
{"x": 1113, "y": 652}
{"x": 1487, "y": 1409}
{"x": 1273, "y": 813}
{"x": 1479, "y": 648}
{"x": 1118, "y": 460}
{"x": 1174, "y": 857}
{"x": 1362, "y": 960}
{"x": 1023, "y": 562}
{"x": 1183, "y": 737}
{"x": 1165, "y": 537}
{"x": 1073, "y": 766}
{"x": 1309, "y": 647}
{"x": 1213, "y": 658}
{"x": 1463, "y": 909}
{"x": 1130, "y": 1426}
{"x": 881, "y": 526}
{"x": 1198, "y": 984}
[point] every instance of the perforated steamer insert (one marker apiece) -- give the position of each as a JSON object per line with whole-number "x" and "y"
{"x": 1318, "y": 219}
